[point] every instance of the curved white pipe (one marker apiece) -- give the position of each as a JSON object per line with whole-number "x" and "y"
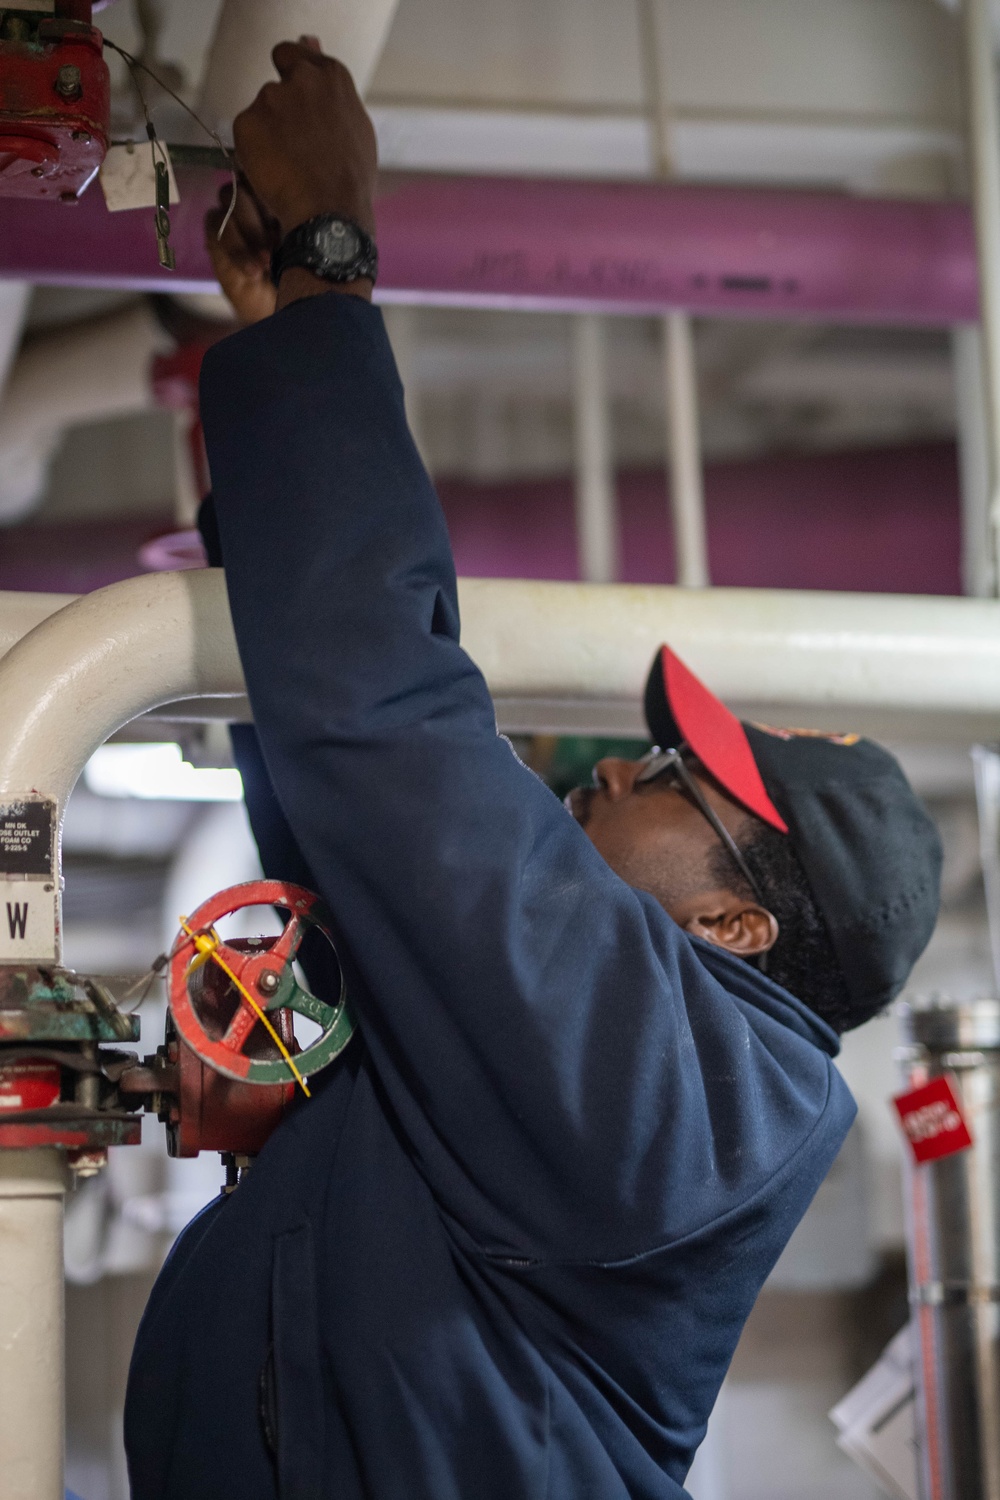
{"x": 88, "y": 373}
{"x": 14, "y": 299}
{"x": 240, "y": 58}
{"x": 86, "y": 671}
{"x": 20, "y": 613}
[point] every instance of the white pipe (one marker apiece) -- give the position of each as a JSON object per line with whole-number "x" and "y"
{"x": 984, "y": 143}
{"x": 14, "y": 299}
{"x": 897, "y": 652}
{"x": 20, "y": 613}
{"x": 596, "y": 500}
{"x": 110, "y": 656}
{"x": 649, "y": 15}
{"x": 354, "y": 31}
{"x": 106, "y": 658}
{"x": 971, "y": 420}
{"x": 687, "y": 490}
{"x": 90, "y": 373}
{"x": 32, "y": 1378}
{"x": 684, "y": 465}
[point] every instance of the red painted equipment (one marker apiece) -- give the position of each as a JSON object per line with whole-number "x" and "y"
{"x": 230, "y": 1064}
{"x": 58, "y": 1073}
{"x": 55, "y": 102}
{"x": 230, "y": 1031}
{"x": 202, "y": 1110}
{"x": 228, "y": 1068}
{"x": 30, "y": 1084}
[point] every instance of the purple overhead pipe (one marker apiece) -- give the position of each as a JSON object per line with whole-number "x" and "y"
{"x": 882, "y": 520}
{"x": 621, "y": 247}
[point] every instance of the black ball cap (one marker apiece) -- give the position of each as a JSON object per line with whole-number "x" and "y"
{"x": 869, "y": 849}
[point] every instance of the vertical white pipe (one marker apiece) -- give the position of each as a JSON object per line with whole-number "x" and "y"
{"x": 14, "y": 299}
{"x": 239, "y": 63}
{"x": 984, "y": 146}
{"x": 986, "y": 767}
{"x": 596, "y": 500}
{"x": 971, "y": 420}
{"x": 32, "y": 1334}
{"x": 187, "y": 497}
{"x": 649, "y": 16}
{"x": 684, "y": 466}
{"x": 687, "y": 492}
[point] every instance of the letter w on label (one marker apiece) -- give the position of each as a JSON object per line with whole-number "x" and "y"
{"x": 17, "y": 918}
{"x": 29, "y": 922}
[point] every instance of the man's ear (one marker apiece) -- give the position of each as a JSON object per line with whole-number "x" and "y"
{"x": 732, "y": 924}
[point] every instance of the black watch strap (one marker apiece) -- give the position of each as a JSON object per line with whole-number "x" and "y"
{"x": 332, "y": 247}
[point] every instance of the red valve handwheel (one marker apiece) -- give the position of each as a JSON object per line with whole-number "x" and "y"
{"x": 226, "y": 1040}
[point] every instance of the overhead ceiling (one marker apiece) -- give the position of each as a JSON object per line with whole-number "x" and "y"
{"x": 863, "y": 94}
{"x": 860, "y": 95}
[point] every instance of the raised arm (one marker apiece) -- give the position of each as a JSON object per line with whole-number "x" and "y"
{"x": 547, "y": 1039}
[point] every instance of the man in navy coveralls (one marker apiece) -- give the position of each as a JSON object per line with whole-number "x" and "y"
{"x": 506, "y": 1250}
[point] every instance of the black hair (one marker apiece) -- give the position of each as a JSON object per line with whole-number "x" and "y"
{"x": 802, "y": 960}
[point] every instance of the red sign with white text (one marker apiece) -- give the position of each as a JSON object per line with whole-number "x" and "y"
{"x": 933, "y": 1121}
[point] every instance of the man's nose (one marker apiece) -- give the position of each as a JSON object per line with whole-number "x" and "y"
{"x": 616, "y": 776}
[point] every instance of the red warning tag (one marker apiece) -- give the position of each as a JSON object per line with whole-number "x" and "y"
{"x": 933, "y": 1120}
{"x": 29, "y": 1085}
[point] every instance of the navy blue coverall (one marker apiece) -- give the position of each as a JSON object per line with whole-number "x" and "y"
{"x": 506, "y": 1251}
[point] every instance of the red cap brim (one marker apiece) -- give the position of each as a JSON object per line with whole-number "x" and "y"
{"x": 717, "y": 738}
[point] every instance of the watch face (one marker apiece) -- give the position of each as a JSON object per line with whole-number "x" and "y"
{"x": 338, "y": 243}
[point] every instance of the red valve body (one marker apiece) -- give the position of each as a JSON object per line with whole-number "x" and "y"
{"x": 213, "y": 1113}
{"x": 55, "y": 109}
{"x": 210, "y": 1112}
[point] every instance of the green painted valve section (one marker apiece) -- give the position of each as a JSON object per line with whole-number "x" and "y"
{"x": 51, "y": 1005}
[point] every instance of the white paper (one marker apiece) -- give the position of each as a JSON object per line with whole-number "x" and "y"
{"x": 877, "y": 1421}
{"x": 128, "y": 177}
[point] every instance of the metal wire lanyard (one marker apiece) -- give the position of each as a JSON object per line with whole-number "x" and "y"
{"x": 161, "y": 162}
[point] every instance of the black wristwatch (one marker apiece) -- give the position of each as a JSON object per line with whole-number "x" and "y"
{"x": 331, "y": 247}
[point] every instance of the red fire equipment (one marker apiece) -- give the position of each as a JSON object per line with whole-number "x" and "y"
{"x": 230, "y": 1064}
{"x": 55, "y": 102}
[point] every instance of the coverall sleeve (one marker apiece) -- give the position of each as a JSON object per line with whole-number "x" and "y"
{"x": 565, "y": 1071}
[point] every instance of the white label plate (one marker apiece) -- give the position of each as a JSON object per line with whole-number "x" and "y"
{"x": 29, "y": 921}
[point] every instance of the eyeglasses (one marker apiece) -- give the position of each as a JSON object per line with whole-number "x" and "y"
{"x": 671, "y": 763}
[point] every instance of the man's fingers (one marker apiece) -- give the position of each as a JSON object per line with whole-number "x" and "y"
{"x": 287, "y": 56}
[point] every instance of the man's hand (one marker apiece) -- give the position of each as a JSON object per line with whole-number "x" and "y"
{"x": 242, "y": 258}
{"x": 308, "y": 147}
